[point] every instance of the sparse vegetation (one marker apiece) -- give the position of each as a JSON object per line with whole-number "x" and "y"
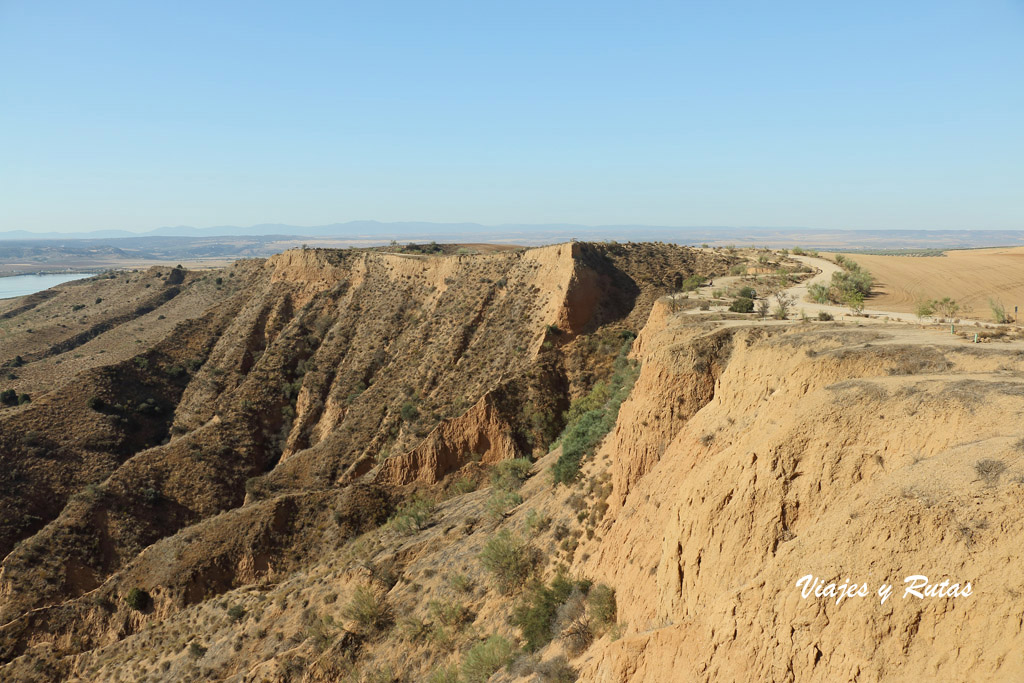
{"x": 989, "y": 470}
{"x": 483, "y": 659}
{"x": 501, "y": 502}
{"x": 409, "y": 412}
{"x": 946, "y": 308}
{"x": 601, "y": 604}
{"x": 592, "y": 416}
{"x": 783, "y": 304}
{"x": 999, "y": 311}
{"x": 369, "y": 610}
{"x": 509, "y": 559}
{"x": 536, "y": 613}
{"x": 509, "y": 475}
{"x": 924, "y": 308}
{"x": 413, "y": 515}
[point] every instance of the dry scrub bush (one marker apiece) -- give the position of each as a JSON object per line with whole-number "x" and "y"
{"x": 368, "y": 610}
{"x": 485, "y": 658}
{"x": 510, "y": 559}
{"x": 989, "y": 470}
{"x": 412, "y": 516}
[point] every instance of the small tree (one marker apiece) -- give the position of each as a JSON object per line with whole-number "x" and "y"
{"x": 855, "y": 300}
{"x": 925, "y": 308}
{"x": 998, "y": 311}
{"x": 783, "y": 302}
{"x": 762, "y": 308}
{"x": 947, "y": 308}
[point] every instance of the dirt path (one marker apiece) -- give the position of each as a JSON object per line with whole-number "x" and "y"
{"x": 936, "y": 333}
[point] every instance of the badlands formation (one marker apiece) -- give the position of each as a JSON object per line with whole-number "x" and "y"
{"x": 526, "y": 465}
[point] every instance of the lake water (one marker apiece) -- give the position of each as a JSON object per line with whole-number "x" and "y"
{"x": 20, "y": 285}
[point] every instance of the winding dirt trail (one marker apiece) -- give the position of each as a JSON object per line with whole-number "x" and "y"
{"x": 935, "y": 332}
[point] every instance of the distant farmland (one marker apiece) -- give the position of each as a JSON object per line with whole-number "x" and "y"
{"x": 971, "y": 276}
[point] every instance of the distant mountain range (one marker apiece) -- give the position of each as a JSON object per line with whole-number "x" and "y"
{"x": 374, "y": 231}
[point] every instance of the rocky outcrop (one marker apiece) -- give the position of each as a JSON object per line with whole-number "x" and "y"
{"x": 480, "y": 434}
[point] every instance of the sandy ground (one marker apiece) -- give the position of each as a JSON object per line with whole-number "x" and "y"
{"x": 970, "y": 276}
{"x": 933, "y": 333}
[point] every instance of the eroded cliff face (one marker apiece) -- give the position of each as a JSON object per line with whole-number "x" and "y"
{"x": 842, "y": 453}
{"x": 479, "y": 434}
{"x": 325, "y": 393}
{"x": 220, "y": 455}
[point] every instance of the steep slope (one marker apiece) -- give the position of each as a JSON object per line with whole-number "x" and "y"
{"x": 838, "y": 453}
{"x": 278, "y": 386}
{"x": 351, "y": 478}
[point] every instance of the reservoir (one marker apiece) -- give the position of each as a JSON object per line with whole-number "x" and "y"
{"x": 20, "y": 285}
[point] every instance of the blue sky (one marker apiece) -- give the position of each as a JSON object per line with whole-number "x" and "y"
{"x": 135, "y": 115}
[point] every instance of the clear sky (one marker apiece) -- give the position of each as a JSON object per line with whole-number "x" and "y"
{"x": 868, "y": 114}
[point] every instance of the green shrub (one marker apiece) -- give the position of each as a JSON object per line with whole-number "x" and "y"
{"x": 850, "y": 281}
{"x": 368, "y": 610}
{"x": 601, "y": 604}
{"x": 747, "y": 293}
{"x": 174, "y": 371}
{"x": 924, "y": 308}
{"x": 998, "y": 311}
{"x": 196, "y": 650}
{"x": 483, "y": 659}
{"x": 693, "y": 282}
{"x": 824, "y": 316}
{"x": 501, "y": 502}
{"x": 535, "y": 615}
{"x": 742, "y": 305}
{"x": 593, "y": 416}
{"x": 818, "y": 293}
{"x": 449, "y": 613}
{"x": 409, "y": 411}
{"x": 946, "y": 307}
{"x": 444, "y": 674}
{"x": 509, "y": 475}
{"x": 236, "y": 612}
{"x": 461, "y": 486}
{"x": 412, "y": 515}
{"x": 23, "y": 399}
{"x": 509, "y": 558}
{"x": 138, "y": 599}
{"x": 9, "y": 397}
{"x": 461, "y": 583}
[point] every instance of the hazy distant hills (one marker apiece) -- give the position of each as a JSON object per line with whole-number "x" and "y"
{"x": 378, "y": 232}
